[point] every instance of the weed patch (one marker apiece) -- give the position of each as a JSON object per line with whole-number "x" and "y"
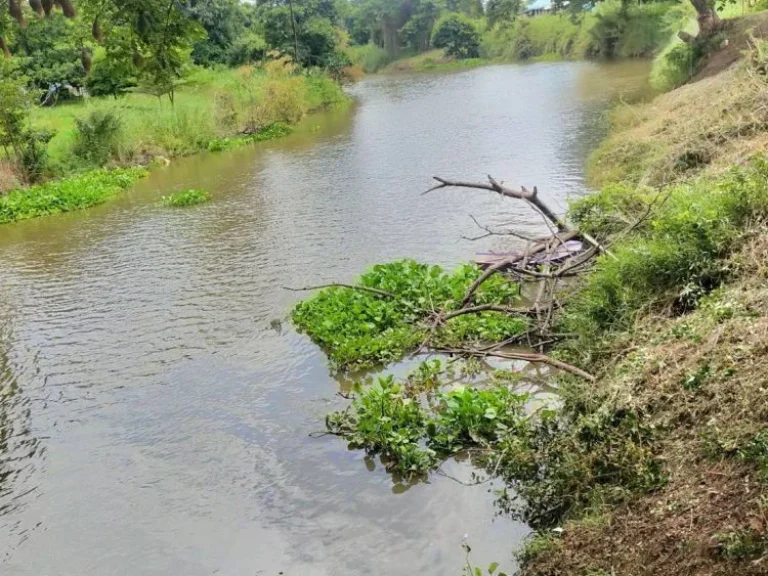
{"x": 186, "y": 198}
{"x": 360, "y": 328}
{"x": 66, "y": 195}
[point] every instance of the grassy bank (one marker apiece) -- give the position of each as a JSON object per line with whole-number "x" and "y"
{"x": 659, "y": 467}
{"x": 658, "y": 463}
{"x": 701, "y": 128}
{"x": 209, "y": 106}
{"x": 213, "y": 110}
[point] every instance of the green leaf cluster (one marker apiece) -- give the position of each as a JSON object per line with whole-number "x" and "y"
{"x": 186, "y": 198}
{"x": 359, "y": 329}
{"x": 66, "y": 195}
{"x": 414, "y": 436}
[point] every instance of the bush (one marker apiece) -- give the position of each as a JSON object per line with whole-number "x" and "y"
{"x": 110, "y": 77}
{"x": 369, "y": 56}
{"x": 247, "y": 49}
{"x": 676, "y": 258}
{"x": 458, "y": 37}
{"x": 605, "y": 32}
{"x": 97, "y": 137}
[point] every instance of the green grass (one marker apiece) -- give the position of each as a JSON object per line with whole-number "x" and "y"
{"x": 433, "y": 61}
{"x": 66, "y": 195}
{"x": 186, "y": 198}
{"x": 369, "y": 57}
{"x": 212, "y": 105}
{"x": 674, "y": 258}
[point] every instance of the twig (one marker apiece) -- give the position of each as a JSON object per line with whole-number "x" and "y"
{"x": 383, "y": 293}
{"x": 487, "y": 308}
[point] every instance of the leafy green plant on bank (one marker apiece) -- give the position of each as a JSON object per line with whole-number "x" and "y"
{"x": 97, "y": 138}
{"x": 186, "y": 198}
{"x": 675, "y": 257}
{"x": 414, "y": 436}
{"x": 66, "y": 195}
{"x": 359, "y": 328}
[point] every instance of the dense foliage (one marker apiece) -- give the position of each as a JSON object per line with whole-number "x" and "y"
{"x": 74, "y": 194}
{"x": 415, "y": 436}
{"x": 358, "y": 328}
{"x": 458, "y": 37}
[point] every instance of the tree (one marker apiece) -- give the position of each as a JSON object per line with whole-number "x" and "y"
{"x": 224, "y": 21}
{"x": 310, "y": 30}
{"x": 48, "y": 51}
{"x": 502, "y": 11}
{"x": 458, "y": 37}
{"x": 417, "y": 32}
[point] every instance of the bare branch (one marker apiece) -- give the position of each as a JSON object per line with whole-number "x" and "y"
{"x": 383, "y": 293}
{"x": 525, "y": 357}
{"x": 487, "y": 308}
{"x": 529, "y": 196}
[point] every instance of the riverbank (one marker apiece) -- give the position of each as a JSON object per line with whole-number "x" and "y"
{"x": 670, "y": 442}
{"x": 212, "y": 111}
{"x": 655, "y": 460}
{"x": 607, "y": 32}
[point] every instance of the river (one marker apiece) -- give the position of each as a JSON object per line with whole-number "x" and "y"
{"x": 157, "y": 419}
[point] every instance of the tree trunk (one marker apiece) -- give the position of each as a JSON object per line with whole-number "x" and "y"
{"x": 709, "y": 21}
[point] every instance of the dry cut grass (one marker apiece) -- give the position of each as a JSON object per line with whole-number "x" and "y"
{"x": 703, "y": 127}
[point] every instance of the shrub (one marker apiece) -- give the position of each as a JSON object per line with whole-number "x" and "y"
{"x": 186, "y": 198}
{"x": 370, "y": 56}
{"x": 247, "y": 49}
{"x": 458, "y": 37}
{"x": 676, "y": 257}
{"x": 110, "y": 77}
{"x": 97, "y": 137}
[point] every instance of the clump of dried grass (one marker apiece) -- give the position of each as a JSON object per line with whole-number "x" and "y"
{"x": 704, "y": 127}
{"x": 8, "y": 178}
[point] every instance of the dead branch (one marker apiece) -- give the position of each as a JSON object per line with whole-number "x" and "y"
{"x": 530, "y": 196}
{"x": 537, "y": 248}
{"x": 487, "y": 308}
{"x": 490, "y": 232}
{"x": 523, "y": 356}
{"x": 375, "y": 291}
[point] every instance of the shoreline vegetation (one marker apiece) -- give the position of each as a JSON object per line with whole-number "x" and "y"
{"x": 213, "y": 111}
{"x": 655, "y": 459}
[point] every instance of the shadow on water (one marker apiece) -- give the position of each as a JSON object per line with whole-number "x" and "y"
{"x": 174, "y": 418}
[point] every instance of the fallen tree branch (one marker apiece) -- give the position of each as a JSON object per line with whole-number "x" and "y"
{"x": 487, "y": 308}
{"x": 375, "y": 291}
{"x": 530, "y": 196}
{"x": 523, "y": 356}
{"x": 507, "y": 262}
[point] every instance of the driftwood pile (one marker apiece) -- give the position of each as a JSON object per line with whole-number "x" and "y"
{"x": 540, "y": 269}
{"x": 542, "y": 265}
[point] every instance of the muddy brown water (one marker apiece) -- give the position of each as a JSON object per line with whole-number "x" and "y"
{"x": 157, "y": 423}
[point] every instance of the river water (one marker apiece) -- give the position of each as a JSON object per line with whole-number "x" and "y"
{"x": 157, "y": 421}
